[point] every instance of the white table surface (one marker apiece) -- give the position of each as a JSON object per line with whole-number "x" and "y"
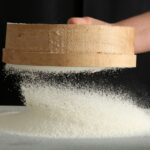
{"x": 15, "y": 142}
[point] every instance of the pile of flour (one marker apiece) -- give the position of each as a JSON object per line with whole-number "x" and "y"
{"x": 59, "y": 111}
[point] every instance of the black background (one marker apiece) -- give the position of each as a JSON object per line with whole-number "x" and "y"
{"x": 137, "y": 80}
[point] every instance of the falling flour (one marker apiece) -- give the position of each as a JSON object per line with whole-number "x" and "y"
{"x": 59, "y": 111}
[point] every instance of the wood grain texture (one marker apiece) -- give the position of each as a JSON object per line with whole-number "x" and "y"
{"x": 74, "y": 60}
{"x": 87, "y": 42}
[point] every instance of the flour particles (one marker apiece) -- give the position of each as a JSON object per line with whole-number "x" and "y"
{"x": 59, "y": 111}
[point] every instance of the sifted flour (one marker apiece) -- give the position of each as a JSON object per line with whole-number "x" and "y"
{"x": 59, "y": 111}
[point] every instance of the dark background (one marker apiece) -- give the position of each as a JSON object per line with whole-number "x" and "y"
{"x": 136, "y": 81}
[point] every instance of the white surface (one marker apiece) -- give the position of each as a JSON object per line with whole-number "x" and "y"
{"x": 8, "y": 142}
{"x": 14, "y": 142}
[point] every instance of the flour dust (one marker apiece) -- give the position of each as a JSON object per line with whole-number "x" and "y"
{"x": 60, "y": 111}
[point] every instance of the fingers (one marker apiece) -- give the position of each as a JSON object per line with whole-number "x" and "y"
{"x": 76, "y": 21}
{"x": 86, "y": 20}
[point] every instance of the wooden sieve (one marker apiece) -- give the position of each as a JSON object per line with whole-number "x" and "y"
{"x": 69, "y": 45}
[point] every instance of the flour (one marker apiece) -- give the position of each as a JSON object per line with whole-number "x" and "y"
{"x": 52, "y": 68}
{"x": 59, "y": 111}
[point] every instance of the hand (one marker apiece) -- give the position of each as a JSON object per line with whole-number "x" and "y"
{"x": 86, "y": 20}
{"x": 141, "y": 24}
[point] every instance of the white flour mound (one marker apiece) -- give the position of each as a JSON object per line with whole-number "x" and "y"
{"x": 58, "y": 112}
{"x": 61, "y": 112}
